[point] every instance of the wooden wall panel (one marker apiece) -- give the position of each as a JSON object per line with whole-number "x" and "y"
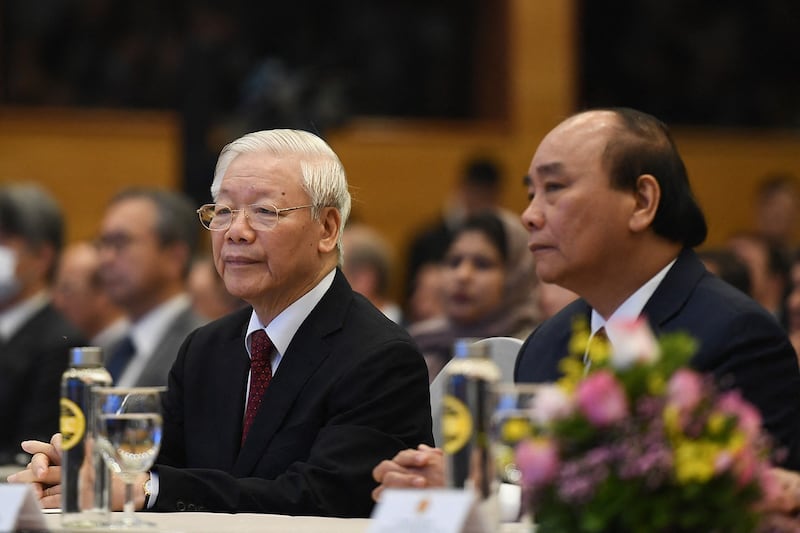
{"x": 84, "y": 157}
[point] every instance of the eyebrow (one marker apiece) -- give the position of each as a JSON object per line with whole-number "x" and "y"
{"x": 547, "y": 169}
{"x": 550, "y": 169}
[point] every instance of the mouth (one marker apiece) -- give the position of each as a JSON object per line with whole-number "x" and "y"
{"x": 238, "y": 261}
{"x": 536, "y": 248}
{"x": 460, "y": 298}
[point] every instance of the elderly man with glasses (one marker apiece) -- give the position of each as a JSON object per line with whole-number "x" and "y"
{"x": 284, "y": 407}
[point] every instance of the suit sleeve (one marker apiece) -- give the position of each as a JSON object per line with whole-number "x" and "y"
{"x": 758, "y": 359}
{"x": 375, "y": 408}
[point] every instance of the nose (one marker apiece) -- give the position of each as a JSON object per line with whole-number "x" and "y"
{"x": 464, "y": 270}
{"x": 533, "y": 216}
{"x": 240, "y": 229}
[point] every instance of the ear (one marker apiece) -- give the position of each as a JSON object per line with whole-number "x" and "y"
{"x": 648, "y": 197}
{"x": 46, "y": 258}
{"x": 180, "y": 256}
{"x": 330, "y": 226}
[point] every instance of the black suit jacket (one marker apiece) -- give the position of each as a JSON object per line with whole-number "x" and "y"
{"x": 351, "y": 390}
{"x": 31, "y": 364}
{"x": 739, "y": 342}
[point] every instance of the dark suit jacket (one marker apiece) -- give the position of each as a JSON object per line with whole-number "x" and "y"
{"x": 31, "y": 364}
{"x": 351, "y": 390}
{"x": 740, "y": 343}
{"x": 156, "y": 371}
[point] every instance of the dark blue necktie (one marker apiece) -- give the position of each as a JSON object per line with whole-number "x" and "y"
{"x": 120, "y": 358}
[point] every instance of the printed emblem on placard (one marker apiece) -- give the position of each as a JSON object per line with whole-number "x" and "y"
{"x": 72, "y": 424}
{"x": 456, "y": 424}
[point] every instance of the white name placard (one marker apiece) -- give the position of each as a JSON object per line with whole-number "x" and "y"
{"x": 19, "y": 509}
{"x": 427, "y": 511}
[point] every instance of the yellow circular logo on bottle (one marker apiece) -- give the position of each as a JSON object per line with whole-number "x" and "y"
{"x": 72, "y": 424}
{"x": 456, "y": 424}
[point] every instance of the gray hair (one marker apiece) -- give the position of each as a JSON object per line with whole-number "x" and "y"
{"x": 324, "y": 178}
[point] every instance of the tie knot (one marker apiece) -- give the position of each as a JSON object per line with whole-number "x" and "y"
{"x": 601, "y": 334}
{"x": 260, "y": 345}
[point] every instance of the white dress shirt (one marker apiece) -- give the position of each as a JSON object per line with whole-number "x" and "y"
{"x": 12, "y": 319}
{"x": 147, "y": 332}
{"x": 633, "y": 306}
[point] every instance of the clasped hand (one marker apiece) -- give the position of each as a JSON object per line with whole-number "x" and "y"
{"x": 44, "y": 474}
{"x": 420, "y": 468}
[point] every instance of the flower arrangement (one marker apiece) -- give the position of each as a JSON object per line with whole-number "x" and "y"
{"x": 640, "y": 443}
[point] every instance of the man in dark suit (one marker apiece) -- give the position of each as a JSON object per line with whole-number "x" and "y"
{"x": 341, "y": 386}
{"x": 147, "y": 240}
{"x": 612, "y": 217}
{"x": 34, "y": 337}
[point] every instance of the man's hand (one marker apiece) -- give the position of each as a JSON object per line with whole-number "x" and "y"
{"x": 420, "y": 468}
{"x": 44, "y": 470}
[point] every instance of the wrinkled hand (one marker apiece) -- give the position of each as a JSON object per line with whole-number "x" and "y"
{"x": 420, "y": 468}
{"x": 783, "y": 494}
{"x": 44, "y": 470}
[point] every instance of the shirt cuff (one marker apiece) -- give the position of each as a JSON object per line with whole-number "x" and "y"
{"x": 151, "y": 502}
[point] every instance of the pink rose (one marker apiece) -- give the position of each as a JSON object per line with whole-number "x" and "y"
{"x": 601, "y": 399}
{"x": 633, "y": 342}
{"x": 745, "y": 467}
{"x": 749, "y": 419}
{"x": 551, "y": 403}
{"x": 685, "y": 389}
{"x": 537, "y": 460}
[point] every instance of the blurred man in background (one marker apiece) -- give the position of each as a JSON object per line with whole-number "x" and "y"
{"x": 147, "y": 240}
{"x": 367, "y": 266}
{"x": 78, "y": 292}
{"x": 777, "y": 211}
{"x": 34, "y": 337}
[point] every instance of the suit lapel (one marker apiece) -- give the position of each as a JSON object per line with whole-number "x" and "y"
{"x": 229, "y": 368}
{"x": 158, "y": 366}
{"x": 673, "y": 292}
{"x": 232, "y": 370}
{"x": 310, "y": 346}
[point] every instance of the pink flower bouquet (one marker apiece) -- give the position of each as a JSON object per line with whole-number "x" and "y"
{"x": 640, "y": 443}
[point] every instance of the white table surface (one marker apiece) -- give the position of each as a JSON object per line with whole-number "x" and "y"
{"x": 242, "y": 522}
{"x": 246, "y": 523}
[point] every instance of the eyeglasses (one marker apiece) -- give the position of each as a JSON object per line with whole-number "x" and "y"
{"x": 219, "y": 217}
{"x": 116, "y": 242}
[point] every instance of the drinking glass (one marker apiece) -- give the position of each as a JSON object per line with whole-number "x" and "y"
{"x": 128, "y": 427}
{"x": 511, "y": 423}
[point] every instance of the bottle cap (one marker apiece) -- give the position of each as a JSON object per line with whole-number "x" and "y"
{"x": 466, "y": 347}
{"x": 86, "y": 356}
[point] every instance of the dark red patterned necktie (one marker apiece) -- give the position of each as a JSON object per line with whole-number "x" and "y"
{"x": 260, "y": 376}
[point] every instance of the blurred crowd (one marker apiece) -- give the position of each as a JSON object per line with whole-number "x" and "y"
{"x": 146, "y": 280}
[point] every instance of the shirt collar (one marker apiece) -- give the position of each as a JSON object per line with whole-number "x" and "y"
{"x": 283, "y": 327}
{"x": 12, "y": 319}
{"x": 633, "y": 306}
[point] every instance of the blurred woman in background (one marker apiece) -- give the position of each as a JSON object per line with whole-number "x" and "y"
{"x": 488, "y": 287}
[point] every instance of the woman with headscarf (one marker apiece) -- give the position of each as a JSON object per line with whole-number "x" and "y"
{"x": 488, "y": 287}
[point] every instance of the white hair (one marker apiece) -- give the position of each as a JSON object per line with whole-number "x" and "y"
{"x": 324, "y": 178}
